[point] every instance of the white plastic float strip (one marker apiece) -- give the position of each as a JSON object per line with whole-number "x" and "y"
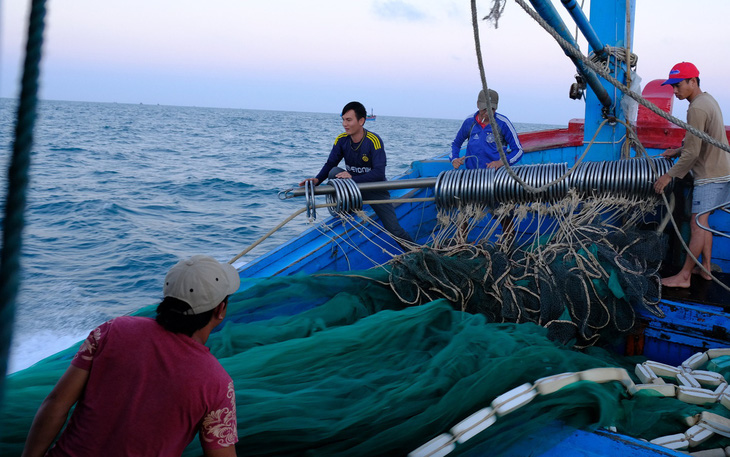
{"x": 689, "y": 389}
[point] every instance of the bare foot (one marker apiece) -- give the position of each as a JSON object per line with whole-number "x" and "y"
{"x": 699, "y": 271}
{"x": 678, "y": 280}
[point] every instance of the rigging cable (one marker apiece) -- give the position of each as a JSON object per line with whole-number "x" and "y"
{"x": 622, "y": 87}
{"x": 18, "y": 183}
{"x": 641, "y": 100}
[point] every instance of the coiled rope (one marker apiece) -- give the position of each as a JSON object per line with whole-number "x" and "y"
{"x": 18, "y": 182}
{"x": 600, "y": 69}
{"x": 311, "y": 204}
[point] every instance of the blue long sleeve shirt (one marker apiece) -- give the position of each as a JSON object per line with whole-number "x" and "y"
{"x": 481, "y": 149}
{"x": 365, "y": 161}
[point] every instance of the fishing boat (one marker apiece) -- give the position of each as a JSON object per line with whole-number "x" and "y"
{"x": 688, "y": 322}
{"x": 322, "y": 309}
{"x": 371, "y": 116}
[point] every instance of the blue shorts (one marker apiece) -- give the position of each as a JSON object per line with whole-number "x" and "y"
{"x": 708, "y": 196}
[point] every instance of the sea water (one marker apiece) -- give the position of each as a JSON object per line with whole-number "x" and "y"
{"x": 118, "y": 193}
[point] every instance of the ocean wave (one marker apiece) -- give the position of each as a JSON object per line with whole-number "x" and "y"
{"x": 120, "y": 192}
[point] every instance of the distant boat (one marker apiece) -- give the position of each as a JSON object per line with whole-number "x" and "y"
{"x": 371, "y": 116}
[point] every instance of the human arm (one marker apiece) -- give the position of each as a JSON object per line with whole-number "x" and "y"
{"x": 662, "y": 182}
{"x": 343, "y": 175}
{"x": 333, "y": 159}
{"x": 689, "y": 153}
{"x": 511, "y": 139}
{"x": 53, "y": 412}
{"x": 314, "y": 180}
{"x": 461, "y": 135}
{"x": 219, "y": 429}
{"x": 228, "y": 451}
{"x": 671, "y": 153}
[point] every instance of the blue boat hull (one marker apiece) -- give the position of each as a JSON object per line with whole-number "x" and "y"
{"x": 692, "y": 323}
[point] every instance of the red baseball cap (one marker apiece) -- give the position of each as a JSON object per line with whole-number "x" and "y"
{"x": 681, "y": 71}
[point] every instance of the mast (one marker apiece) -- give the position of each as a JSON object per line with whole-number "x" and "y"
{"x": 547, "y": 11}
{"x": 607, "y": 29}
{"x": 613, "y": 24}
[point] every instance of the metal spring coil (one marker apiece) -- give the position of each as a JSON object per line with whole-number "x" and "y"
{"x": 626, "y": 178}
{"x": 311, "y": 204}
{"x": 347, "y": 197}
{"x": 490, "y": 187}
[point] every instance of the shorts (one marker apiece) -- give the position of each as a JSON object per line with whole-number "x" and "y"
{"x": 708, "y": 196}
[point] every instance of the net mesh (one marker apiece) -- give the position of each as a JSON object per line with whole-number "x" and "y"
{"x": 378, "y": 362}
{"x": 581, "y": 292}
{"x": 339, "y": 365}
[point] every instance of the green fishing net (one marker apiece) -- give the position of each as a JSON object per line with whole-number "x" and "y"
{"x": 583, "y": 291}
{"x": 340, "y": 365}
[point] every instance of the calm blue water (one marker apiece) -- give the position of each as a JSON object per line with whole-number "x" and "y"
{"x": 120, "y": 192}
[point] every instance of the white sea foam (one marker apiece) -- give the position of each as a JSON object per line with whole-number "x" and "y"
{"x": 37, "y": 346}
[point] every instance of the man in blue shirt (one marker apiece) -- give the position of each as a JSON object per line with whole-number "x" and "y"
{"x": 481, "y": 148}
{"x": 365, "y": 161}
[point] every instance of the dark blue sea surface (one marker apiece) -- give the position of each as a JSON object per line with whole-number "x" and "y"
{"x": 120, "y": 192}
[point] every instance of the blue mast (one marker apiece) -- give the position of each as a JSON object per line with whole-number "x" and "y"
{"x": 548, "y": 12}
{"x": 607, "y": 28}
{"x": 609, "y": 19}
{"x": 576, "y": 12}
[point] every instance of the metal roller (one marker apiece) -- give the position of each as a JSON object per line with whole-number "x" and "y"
{"x": 347, "y": 197}
{"x": 490, "y": 187}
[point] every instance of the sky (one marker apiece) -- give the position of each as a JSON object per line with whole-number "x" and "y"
{"x": 410, "y": 58}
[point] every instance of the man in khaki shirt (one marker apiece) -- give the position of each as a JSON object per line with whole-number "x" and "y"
{"x": 709, "y": 165}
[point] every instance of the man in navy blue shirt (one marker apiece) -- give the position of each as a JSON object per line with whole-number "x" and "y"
{"x": 365, "y": 161}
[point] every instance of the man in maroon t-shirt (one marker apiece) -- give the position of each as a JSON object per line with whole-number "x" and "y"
{"x": 146, "y": 387}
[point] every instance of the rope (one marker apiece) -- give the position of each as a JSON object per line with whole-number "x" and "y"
{"x": 18, "y": 183}
{"x": 492, "y": 121}
{"x": 570, "y": 233}
{"x": 313, "y": 207}
{"x": 567, "y": 47}
{"x": 347, "y": 196}
{"x": 495, "y": 13}
{"x": 516, "y": 279}
{"x": 478, "y": 48}
{"x": 689, "y": 253}
{"x": 627, "y": 49}
{"x": 270, "y": 232}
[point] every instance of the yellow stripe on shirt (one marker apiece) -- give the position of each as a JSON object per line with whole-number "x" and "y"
{"x": 376, "y": 141}
{"x": 341, "y": 135}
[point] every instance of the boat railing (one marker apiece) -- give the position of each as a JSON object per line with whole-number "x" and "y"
{"x": 722, "y": 207}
